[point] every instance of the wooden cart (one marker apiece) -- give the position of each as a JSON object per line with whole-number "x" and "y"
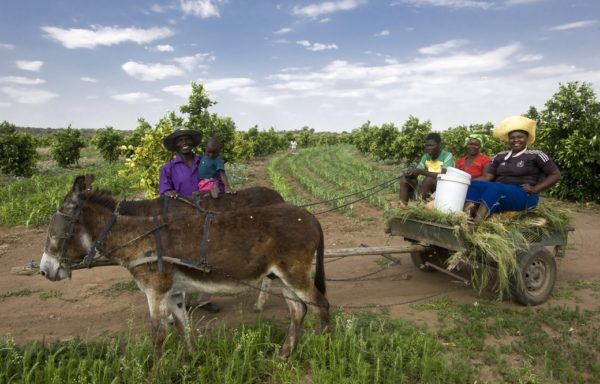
{"x": 537, "y": 264}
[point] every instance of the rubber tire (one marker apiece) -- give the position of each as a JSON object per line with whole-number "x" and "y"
{"x": 538, "y": 271}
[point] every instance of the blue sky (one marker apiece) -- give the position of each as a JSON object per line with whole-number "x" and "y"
{"x": 328, "y": 65}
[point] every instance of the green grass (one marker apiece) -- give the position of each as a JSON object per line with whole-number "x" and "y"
{"x": 361, "y": 349}
{"x": 32, "y": 201}
{"x": 17, "y": 293}
{"x": 485, "y": 342}
{"x": 552, "y": 344}
{"x": 50, "y": 294}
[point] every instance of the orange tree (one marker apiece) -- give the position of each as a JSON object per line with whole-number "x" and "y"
{"x": 569, "y": 131}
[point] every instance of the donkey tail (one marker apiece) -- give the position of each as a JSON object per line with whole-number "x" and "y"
{"x": 320, "y": 265}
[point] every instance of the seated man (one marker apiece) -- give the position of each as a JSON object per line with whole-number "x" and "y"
{"x": 433, "y": 162}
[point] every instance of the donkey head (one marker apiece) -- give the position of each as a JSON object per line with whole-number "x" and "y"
{"x": 67, "y": 241}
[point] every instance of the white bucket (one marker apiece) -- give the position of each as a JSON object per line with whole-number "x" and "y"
{"x": 450, "y": 193}
{"x": 455, "y": 172}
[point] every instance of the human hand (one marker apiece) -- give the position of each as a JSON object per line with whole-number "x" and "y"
{"x": 171, "y": 193}
{"x": 412, "y": 171}
{"x": 528, "y": 188}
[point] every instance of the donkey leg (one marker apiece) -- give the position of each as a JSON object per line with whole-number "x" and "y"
{"x": 318, "y": 303}
{"x": 263, "y": 296}
{"x": 159, "y": 313}
{"x": 297, "y": 312}
{"x": 176, "y": 304}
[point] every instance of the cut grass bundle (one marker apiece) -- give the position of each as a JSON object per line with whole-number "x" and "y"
{"x": 490, "y": 250}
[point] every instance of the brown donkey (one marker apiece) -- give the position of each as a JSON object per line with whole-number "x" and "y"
{"x": 244, "y": 198}
{"x": 238, "y": 249}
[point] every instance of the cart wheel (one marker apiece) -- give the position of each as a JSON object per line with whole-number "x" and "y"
{"x": 419, "y": 259}
{"x": 538, "y": 272}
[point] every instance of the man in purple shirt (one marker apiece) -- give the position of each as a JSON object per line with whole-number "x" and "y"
{"x": 179, "y": 176}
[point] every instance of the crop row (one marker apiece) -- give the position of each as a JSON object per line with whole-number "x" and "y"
{"x": 329, "y": 172}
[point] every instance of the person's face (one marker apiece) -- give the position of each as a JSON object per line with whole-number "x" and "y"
{"x": 517, "y": 140}
{"x": 473, "y": 147}
{"x": 432, "y": 148}
{"x": 184, "y": 144}
{"x": 212, "y": 151}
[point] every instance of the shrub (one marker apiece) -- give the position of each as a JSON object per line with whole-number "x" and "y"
{"x": 409, "y": 144}
{"x": 66, "y": 147}
{"x": 150, "y": 155}
{"x": 569, "y": 130}
{"x": 108, "y": 141}
{"x": 17, "y": 151}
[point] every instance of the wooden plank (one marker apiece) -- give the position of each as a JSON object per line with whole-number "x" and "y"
{"x": 363, "y": 251}
{"x": 428, "y": 233}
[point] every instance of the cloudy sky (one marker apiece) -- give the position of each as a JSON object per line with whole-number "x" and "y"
{"x": 329, "y": 65}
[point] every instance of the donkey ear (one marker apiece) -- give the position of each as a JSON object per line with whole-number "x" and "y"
{"x": 79, "y": 184}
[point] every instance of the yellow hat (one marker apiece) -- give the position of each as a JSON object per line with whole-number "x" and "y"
{"x": 515, "y": 123}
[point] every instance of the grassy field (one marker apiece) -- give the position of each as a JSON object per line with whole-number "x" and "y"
{"x": 481, "y": 342}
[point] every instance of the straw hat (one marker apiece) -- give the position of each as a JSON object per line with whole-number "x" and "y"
{"x": 169, "y": 141}
{"x": 515, "y": 123}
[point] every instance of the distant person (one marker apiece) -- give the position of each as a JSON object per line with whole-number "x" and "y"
{"x": 474, "y": 162}
{"x": 433, "y": 162}
{"x": 179, "y": 177}
{"x": 211, "y": 171}
{"x": 294, "y": 145}
{"x": 515, "y": 177}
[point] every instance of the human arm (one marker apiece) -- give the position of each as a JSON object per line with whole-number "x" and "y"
{"x": 165, "y": 183}
{"x": 226, "y": 184}
{"x": 548, "y": 182}
{"x": 549, "y": 168}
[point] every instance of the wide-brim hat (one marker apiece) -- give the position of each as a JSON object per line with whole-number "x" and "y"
{"x": 515, "y": 123}
{"x": 169, "y": 141}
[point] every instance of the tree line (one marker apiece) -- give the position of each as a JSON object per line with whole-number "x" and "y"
{"x": 568, "y": 130}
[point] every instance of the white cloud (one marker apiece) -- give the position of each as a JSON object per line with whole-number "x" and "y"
{"x": 227, "y": 83}
{"x": 553, "y": 70}
{"x": 159, "y": 8}
{"x": 385, "y": 32}
{"x": 343, "y": 79}
{"x": 318, "y": 9}
{"x": 201, "y": 8}
{"x": 521, "y": 2}
{"x": 91, "y": 38}
{"x": 315, "y": 47}
{"x": 256, "y": 95}
{"x": 214, "y": 85}
{"x": 574, "y": 25}
{"x": 21, "y": 80}
{"x": 161, "y": 48}
{"x": 7, "y": 46}
{"x": 189, "y": 63}
{"x": 88, "y": 79}
{"x": 29, "y": 95}
{"x": 151, "y": 72}
{"x": 33, "y": 66}
{"x": 530, "y": 57}
{"x": 482, "y": 4}
{"x": 182, "y": 90}
{"x": 135, "y": 98}
{"x": 283, "y": 31}
{"x": 437, "y": 49}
